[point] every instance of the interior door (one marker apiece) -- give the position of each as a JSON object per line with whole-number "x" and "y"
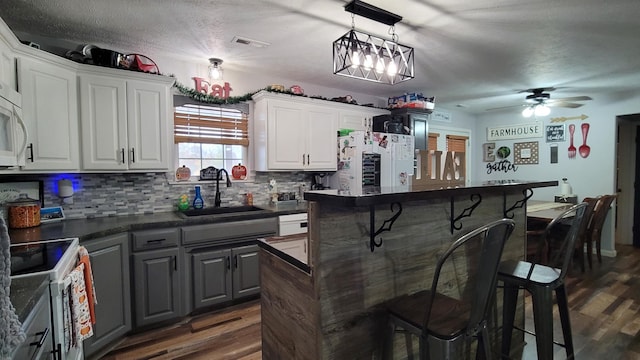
{"x": 636, "y": 200}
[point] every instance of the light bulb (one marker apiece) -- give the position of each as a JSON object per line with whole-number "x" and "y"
{"x": 355, "y": 58}
{"x": 215, "y": 73}
{"x": 380, "y": 66}
{"x": 368, "y": 62}
{"x": 542, "y": 110}
{"x": 392, "y": 69}
{"x": 527, "y": 112}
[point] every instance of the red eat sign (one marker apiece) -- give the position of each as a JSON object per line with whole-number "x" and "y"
{"x": 205, "y": 87}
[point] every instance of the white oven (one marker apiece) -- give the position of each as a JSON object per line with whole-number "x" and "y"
{"x": 55, "y": 258}
{"x": 13, "y": 133}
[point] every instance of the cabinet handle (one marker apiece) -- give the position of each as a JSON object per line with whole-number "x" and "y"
{"x": 304, "y": 224}
{"x": 43, "y": 335}
{"x": 305, "y": 247}
{"x": 30, "y": 152}
{"x": 228, "y": 263}
{"x": 235, "y": 262}
{"x": 303, "y": 160}
{"x": 133, "y": 155}
{"x": 308, "y": 161}
{"x": 175, "y": 263}
{"x": 155, "y": 242}
{"x": 122, "y": 152}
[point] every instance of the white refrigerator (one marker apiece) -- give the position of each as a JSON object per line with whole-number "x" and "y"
{"x": 397, "y": 159}
{"x": 369, "y": 161}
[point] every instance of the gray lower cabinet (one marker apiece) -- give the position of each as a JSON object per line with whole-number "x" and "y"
{"x": 220, "y": 275}
{"x": 37, "y": 327}
{"x": 110, "y": 265}
{"x": 246, "y": 271}
{"x": 156, "y": 277}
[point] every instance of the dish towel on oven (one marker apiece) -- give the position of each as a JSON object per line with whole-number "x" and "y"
{"x": 11, "y": 334}
{"x": 80, "y": 314}
{"x": 83, "y": 258}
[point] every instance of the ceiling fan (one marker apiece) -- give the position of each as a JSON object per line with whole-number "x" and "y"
{"x": 539, "y": 100}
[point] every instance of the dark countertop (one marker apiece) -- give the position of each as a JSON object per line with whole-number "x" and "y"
{"x": 25, "y": 293}
{"x": 86, "y": 229}
{"x": 392, "y": 195}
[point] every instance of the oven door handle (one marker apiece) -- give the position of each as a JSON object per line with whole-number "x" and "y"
{"x": 38, "y": 344}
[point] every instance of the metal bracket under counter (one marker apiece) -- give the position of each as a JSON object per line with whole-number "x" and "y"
{"x": 455, "y": 225}
{"x": 386, "y": 225}
{"x": 527, "y": 193}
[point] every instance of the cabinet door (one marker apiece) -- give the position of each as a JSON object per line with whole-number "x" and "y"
{"x": 148, "y": 125}
{"x": 7, "y": 66}
{"x": 287, "y": 136}
{"x": 50, "y": 113}
{"x": 110, "y": 266}
{"x": 211, "y": 277}
{"x": 104, "y": 123}
{"x": 156, "y": 284}
{"x": 353, "y": 120}
{"x": 38, "y": 330}
{"x": 322, "y": 127}
{"x": 246, "y": 271}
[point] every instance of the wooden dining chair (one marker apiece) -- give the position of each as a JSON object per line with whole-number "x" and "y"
{"x": 594, "y": 231}
{"x": 583, "y": 233}
{"x": 453, "y": 312}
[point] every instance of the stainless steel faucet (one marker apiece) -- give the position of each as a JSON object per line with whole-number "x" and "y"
{"x": 218, "y": 201}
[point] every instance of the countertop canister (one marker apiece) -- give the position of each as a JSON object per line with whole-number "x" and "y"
{"x": 23, "y": 212}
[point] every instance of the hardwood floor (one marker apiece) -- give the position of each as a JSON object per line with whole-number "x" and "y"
{"x": 604, "y": 303}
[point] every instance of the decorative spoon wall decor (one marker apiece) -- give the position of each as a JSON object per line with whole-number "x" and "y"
{"x": 584, "y": 149}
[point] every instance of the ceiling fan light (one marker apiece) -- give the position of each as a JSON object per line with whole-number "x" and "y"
{"x": 542, "y": 110}
{"x": 527, "y": 112}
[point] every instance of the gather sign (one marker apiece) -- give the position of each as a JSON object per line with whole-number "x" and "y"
{"x": 518, "y": 131}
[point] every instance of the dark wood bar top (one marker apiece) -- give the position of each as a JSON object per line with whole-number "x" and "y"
{"x": 392, "y": 195}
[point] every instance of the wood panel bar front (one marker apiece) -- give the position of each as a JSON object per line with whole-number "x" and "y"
{"x": 336, "y": 308}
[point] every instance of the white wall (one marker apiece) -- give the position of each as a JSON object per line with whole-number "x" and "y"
{"x": 591, "y": 176}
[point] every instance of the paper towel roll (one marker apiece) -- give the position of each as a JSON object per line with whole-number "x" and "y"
{"x": 565, "y": 188}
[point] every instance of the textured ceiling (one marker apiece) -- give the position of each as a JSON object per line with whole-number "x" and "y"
{"x": 476, "y": 53}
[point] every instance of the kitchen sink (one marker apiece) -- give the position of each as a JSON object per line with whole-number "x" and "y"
{"x": 221, "y": 210}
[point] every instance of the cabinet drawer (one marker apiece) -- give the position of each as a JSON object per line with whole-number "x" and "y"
{"x": 229, "y": 232}
{"x": 155, "y": 239}
{"x": 37, "y": 327}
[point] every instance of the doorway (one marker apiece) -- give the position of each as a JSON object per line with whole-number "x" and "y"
{"x": 628, "y": 174}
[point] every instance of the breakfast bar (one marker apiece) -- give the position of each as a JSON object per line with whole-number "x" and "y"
{"x": 365, "y": 249}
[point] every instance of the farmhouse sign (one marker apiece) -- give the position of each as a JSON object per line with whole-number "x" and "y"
{"x": 519, "y": 131}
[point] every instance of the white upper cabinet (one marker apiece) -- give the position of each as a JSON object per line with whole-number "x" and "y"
{"x": 50, "y": 112}
{"x": 293, "y": 133}
{"x": 360, "y": 119}
{"x": 125, "y": 123}
{"x": 7, "y": 66}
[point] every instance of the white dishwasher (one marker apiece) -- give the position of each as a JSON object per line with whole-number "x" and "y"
{"x": 292, "y": 224}
{"x": 292, "y": 239}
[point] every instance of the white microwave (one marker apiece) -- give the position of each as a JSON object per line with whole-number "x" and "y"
{"x": 13, "y": 133}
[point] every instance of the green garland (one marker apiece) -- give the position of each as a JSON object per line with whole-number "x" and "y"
{"x": 206, "y": 98}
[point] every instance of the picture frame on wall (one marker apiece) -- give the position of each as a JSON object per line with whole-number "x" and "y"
{"x": 555, "y": 133}
{"x": 525, "y": 153}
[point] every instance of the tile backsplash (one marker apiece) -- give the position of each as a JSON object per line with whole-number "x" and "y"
{"x": 100, "y": 195}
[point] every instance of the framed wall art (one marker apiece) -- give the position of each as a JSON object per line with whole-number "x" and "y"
{"x": 525, "y": 153}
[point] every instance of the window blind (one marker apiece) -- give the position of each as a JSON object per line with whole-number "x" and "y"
{"x": 210, "y": 125}
{"x": 457, "y": 143}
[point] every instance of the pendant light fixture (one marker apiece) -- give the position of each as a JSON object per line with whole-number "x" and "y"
{"x": 364, "y": 56}
{"x": 215, "y": 70}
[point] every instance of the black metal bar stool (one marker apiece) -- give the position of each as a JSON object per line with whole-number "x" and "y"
{"x": 448, "y": 317}
{"x": 541, "y": 280}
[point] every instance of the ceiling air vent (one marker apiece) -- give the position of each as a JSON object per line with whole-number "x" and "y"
{"x": 251, "y": 42}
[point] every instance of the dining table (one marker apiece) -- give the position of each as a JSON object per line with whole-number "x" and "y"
{"x": 545, "y": 211}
